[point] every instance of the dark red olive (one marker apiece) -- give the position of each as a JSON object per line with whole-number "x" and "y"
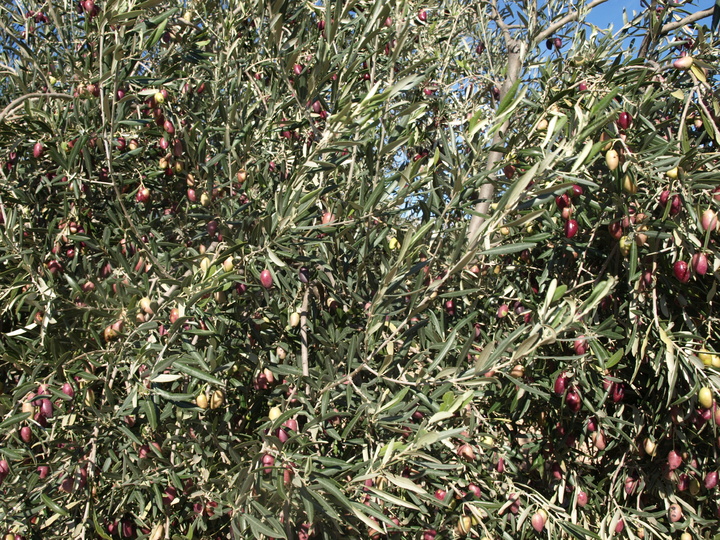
{"x": 711, "y": 480}
{"x": 616, "y": 230}
{"x": 46, "y": 408}
{"x": 624, "y": 120}
{"x": 681, "y": 271}
{"x": 128, "y": 529}
{"x": 664, "y": 197}
{"x": 561, "y": 384}
{"x": 675, "y": 205}
{"x": 618, "y": 392}
{"x": 571, "y": 228}
{"x": 572, "y": 400}
{"x": 700, "y": 264}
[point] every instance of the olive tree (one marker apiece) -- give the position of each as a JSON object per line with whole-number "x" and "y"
{"x": 363, "y": 269}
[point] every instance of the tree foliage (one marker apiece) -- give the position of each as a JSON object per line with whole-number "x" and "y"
{"x": 362, "y": 269}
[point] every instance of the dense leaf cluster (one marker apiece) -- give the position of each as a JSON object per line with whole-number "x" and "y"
{"x": 242, "y": 295}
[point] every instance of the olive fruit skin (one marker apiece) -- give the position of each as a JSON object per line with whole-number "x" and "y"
{"x": 538, "y": 520}
{"x": 649, "y": 446}
{"x": 675, "y": 513}
{"x": 466, "y": 452}
{"x": 598, "y": 439}
{"x": 709, "y": 358}
{"x": 266, "y": 279}
{"x": 700, "y": 264}
{"x": 683, "y": 63}
{"x": 705, "y": 397}
{"x": 562, "y": 201}
{"x": 561, "y": 384}
{"x": 674, "y": 460}
{"x": 217, "y": 400}
{"x": 681, "y": 271}
{"x": 709, "y": 220}
{"x": 571, "y": 228}
{"x": 68, "y": 390}
{"x": 268, "y": 462}
{"x": 629, "y": 185}
{"x": 202, "y": 401}
{"x": 612, "y": 159}
{"x": 572, "y": 400}
{"x": 464, "y": 526}
{"x": 711, "y": 480}
{"x": 158, "y": 532}
{"x": 624, "y": 120}
{"x": 274, "y": 413}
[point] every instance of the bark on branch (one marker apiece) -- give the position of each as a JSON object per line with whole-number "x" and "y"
{"x": 19, "y": 101}
{"x": 669, "y": 27}
{"x": 487, "y": 190}
{"x": 516, "y": 58}
{"x": 570, "y": 17}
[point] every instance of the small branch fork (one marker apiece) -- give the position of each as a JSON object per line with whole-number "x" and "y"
{"x": 516, "y": 56}
{"x": 669, "y": 27}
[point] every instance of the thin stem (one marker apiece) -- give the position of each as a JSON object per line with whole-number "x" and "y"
{"x": 305, "y": 356}
{"x": 570, "y": 17}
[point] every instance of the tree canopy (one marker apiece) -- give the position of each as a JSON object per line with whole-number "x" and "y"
{"x": 363, "y": 269}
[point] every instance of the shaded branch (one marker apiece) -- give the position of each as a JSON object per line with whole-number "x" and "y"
{"x": 19, "y": 101}
{"x": 304, "y": 354}
{"x": 516, "y": 57}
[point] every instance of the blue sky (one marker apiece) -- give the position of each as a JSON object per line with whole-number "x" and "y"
{"x": 612, "y": 11}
